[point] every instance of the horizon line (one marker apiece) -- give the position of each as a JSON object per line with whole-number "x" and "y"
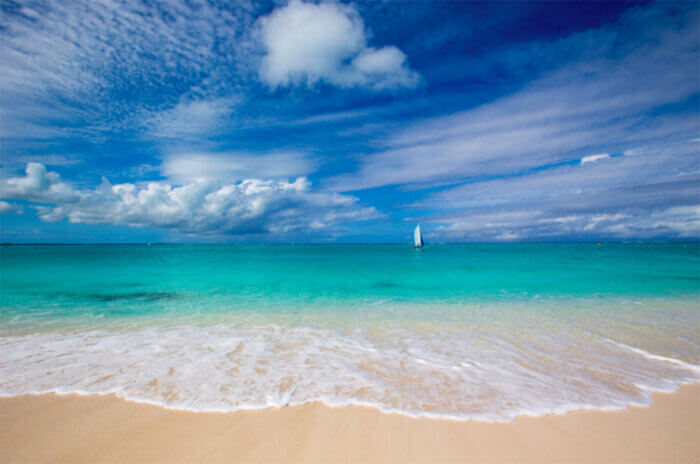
{"x": 691, "y": 240}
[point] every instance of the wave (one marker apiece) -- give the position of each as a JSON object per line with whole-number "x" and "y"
{"x": 424, "y": 371}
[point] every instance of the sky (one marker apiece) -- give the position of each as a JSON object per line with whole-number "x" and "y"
{"x": 300, "y": 121}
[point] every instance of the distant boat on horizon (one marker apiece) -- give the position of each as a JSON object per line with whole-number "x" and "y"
{"x": 417, "y": 238}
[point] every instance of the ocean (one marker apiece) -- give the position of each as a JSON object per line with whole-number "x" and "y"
{"x": 462, "y": 331}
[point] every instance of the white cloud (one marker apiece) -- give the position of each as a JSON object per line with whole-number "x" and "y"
{"x": 594, "y": 158}
{"x": 252, "y": 206}
{"x": 673, "y": 222}
{"x": 561, "y": 219}
{"x": 47, "y": 159}
{"x": 603, "y": 218}
{"x": 644, "y": 181}
{"x": 651, "y": 195}
{"x": 7, "y": 208}
{"x": 234, "y": 166}
{"x": 94, "y": 65}
{"x": 508, "y": 236}
{"x": 384, "y": 60}
{"x": 383, "y": 68}
{"x": 483, "y": 224}
{"x": 38, "y": 185}
{"x": 307, "y": 43}
{"x": 683, "y": 219}
{"x": 191, "y": 118}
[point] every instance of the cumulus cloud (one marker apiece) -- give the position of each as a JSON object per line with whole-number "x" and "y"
{"x": 38, "y": 185}
{"x": 252, "y": 206}
{"x": 308, "y": 42}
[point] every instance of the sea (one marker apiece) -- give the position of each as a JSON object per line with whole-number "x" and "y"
{"x": 460, "y": 331}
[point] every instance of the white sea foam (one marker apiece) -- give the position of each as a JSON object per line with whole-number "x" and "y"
{"x": 495, "y": 373}
{"x": 655, "y": 357}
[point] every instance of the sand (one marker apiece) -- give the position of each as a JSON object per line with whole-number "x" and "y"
{"x": 71, "y": 428}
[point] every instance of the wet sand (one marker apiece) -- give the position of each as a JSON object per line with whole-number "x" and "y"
{"x": 71, "y": 428}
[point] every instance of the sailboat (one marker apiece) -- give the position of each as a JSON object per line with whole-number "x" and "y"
{"x": 417, "y": 238}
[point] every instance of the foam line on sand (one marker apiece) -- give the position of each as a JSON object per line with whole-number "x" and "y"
{"x": 94, "y": 428}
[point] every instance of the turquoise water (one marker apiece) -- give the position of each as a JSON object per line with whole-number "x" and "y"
{"x": 471, "y": 330}
{"x": 118, "y": 281}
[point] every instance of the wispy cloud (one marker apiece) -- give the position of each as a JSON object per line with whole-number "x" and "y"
{"x": 650, "y": 195}
{"x": 609, "y": 100}
{"x": 234, "y": 166}
{"x": 191, "y": 119}
{"x": 677, "y": 222}
{"x": 7, "y": 208}
{"x": 594, "y": 158}
{"x": 68, "y": 64}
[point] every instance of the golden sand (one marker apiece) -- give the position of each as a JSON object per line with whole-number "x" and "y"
{"x": 52, "y": 428}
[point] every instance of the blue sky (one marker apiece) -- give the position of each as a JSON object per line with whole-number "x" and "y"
{"x": 349, "y": 122}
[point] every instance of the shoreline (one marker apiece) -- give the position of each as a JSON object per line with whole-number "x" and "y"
{"x": 425, "y": 415}
{"x": 99, "y": 428}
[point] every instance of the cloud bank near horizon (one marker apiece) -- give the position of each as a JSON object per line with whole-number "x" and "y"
{"x": 249, "y": 207}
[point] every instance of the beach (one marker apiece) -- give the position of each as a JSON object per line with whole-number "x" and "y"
{"x": 104, "y": 428}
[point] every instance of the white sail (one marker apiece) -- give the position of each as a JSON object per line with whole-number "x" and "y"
{"x": 417, "y": 238}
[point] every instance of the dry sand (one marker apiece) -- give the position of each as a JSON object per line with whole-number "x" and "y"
{"x": 51, "y": 428}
